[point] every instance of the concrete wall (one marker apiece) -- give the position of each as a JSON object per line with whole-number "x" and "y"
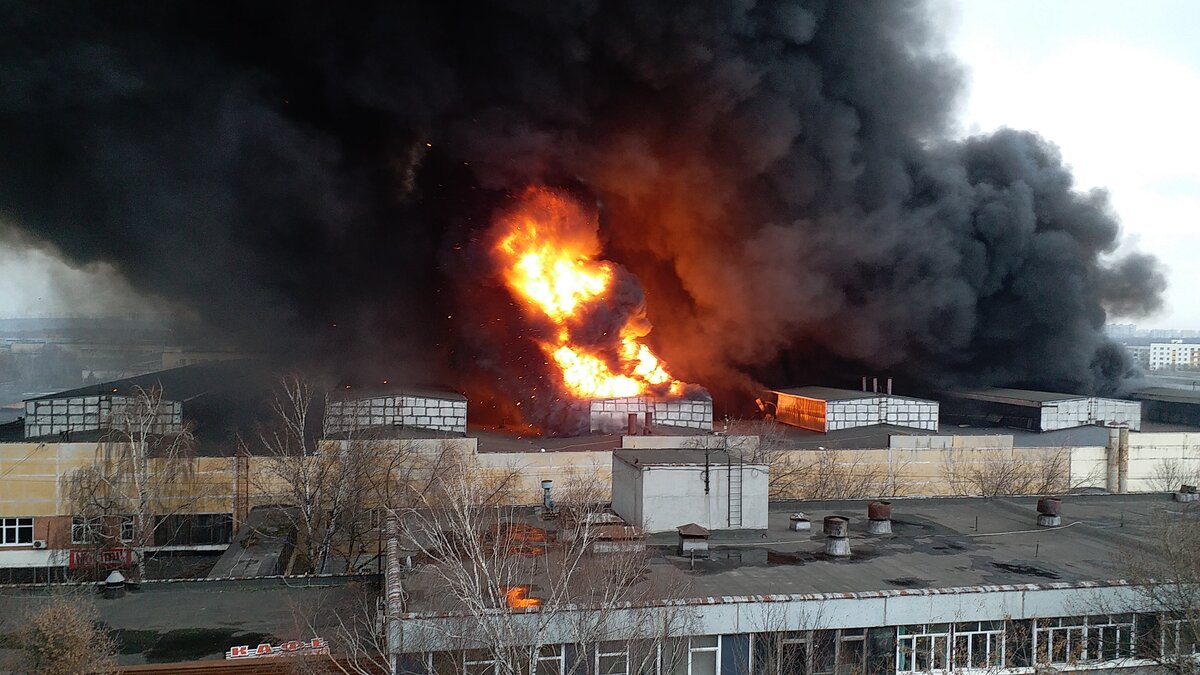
{"x": 660, "y": 498}
{"x": 423, "y": 412}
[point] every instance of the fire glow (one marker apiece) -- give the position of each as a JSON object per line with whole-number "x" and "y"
{"x": 547, "y": 248}
{"x": 517, "y": 597}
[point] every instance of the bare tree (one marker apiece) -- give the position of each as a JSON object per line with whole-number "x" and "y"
{"x": 62, "y": 637}
{"x": 144, "y": 471}
{"x": 1170, "y": 474}
{"x": 995, "y": 473}
{"x": 1165, "y": 571}
{"x": 519, "y": 584}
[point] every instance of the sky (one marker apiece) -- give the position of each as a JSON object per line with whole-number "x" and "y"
{"x": 1115, "y": 84}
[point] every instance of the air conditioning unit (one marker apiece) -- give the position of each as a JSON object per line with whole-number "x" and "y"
{"x": 39, "y": 543}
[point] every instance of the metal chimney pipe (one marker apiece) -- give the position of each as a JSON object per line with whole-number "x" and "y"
{"x": 875, "y": 384}
{"x": 649, "y": 422}
{"x": 889, "y": 386}
{"x": 633, "y": 425}
{"x": 864, "y": 382}
{"x": 837, "y": 532}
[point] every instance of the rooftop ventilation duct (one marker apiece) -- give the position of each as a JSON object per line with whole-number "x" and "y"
{"x": 837, "y": 536}
{"x": 1048, "y": 512}
{"x": 1187, "y": 493}
{"x": 879, "y": 517}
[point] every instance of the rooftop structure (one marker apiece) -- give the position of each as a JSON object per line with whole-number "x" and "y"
{"x": 407, "y": 407}
{"x": 644, "y": 414}
{"x": 1170, "y": 406}
{"x": 825, "y": 409}
{"x": 660, "y": 490}
{"x": 1037, "y": 410}
{"x": 970, "y": 582}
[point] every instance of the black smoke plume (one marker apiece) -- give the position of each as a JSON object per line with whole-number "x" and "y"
{"x": 314, "y": 179}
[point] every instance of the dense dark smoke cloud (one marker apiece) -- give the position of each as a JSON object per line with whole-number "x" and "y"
{"x": 777, "y": 173}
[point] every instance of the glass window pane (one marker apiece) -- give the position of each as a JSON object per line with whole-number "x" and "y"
{"x": 704, "y": 663}
{"x": 962, "y": 650}
{"x": 823, "y": 651}
{"x": 704, "y": 641}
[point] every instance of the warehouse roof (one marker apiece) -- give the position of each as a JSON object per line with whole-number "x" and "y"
{"x": 353, "y": 392}
{"x": 1189, "y": 396}
{"x": 1025, "y": 397}
{"x": 935, "y": 544}
{"x": 828, "y": 393}
{"x": 671, "y": 457}
{"x": 178, "y": 384}
{"x": 877, "y": 436}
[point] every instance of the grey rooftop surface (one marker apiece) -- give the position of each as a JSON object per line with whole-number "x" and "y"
{"x": 935, "y": 544}
{"x": 1190, "y": 396}
{"x": 876, "y": 437}
{"x": 671, "y": 457}
{"x": 185, "y": 620}
{"x": 1025, "y": 397}
{"x": 828, "y": 393}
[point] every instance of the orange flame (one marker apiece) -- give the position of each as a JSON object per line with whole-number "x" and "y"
{"x": 517, "y": 597}
{"x": 548, "y": 250}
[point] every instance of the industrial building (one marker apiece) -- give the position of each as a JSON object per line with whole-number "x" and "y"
{"x": 825, "y": 409}
{"x": 402, "y": 408}
{"x": 1170, "y": 406}
{"x": 949, "y": 585}
{"x": 1037, "y": 410}
{"x": 660, "y": 490}
{"x": 616, "y": 415}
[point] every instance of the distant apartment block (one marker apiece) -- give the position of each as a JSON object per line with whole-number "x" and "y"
{"x": 1174, "y": 355}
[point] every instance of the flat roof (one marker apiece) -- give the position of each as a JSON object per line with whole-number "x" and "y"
{"x": 178, "y": 384}
{"x": 671, "y": 457}
{"x": 1167, "y": 394}
{"x": 828, "y": 393}
{"x": 935, "y": 543}
{"x": 876, "y": 436}
{"x": 171, "y": 621}
{"x": 1026, "y": 397}
{"x": 354, "y": 393}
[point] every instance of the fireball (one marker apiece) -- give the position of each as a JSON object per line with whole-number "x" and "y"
{"x": 547, "y": 250}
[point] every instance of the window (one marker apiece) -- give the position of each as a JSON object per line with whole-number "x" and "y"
{"x": 1178, "y": 638}
{"x": 16, "y": 531}
{"x": 125, "y": 528}
{"x": 923, "y": 647}
{"x": 704, "y": 653}
{"x": 978, "y": 644}
{"x": 550, "y": 660}
{"x": 193, "y": 529}
{"x": 612, "y": 658}
{"x": 819, "y": 652}
{"x": 87, "y": 530}
{"x": 479, "y": 662}
{"x": 1082, "y": 638}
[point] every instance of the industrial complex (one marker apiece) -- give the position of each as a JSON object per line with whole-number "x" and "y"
{"x": 848, "y": 531}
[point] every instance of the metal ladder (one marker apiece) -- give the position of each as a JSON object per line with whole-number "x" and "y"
{"x": 735, "y": 494}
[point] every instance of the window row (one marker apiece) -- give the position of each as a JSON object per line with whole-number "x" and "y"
{"x": 975, "y": 646}
{"x": 176, "y": 530}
